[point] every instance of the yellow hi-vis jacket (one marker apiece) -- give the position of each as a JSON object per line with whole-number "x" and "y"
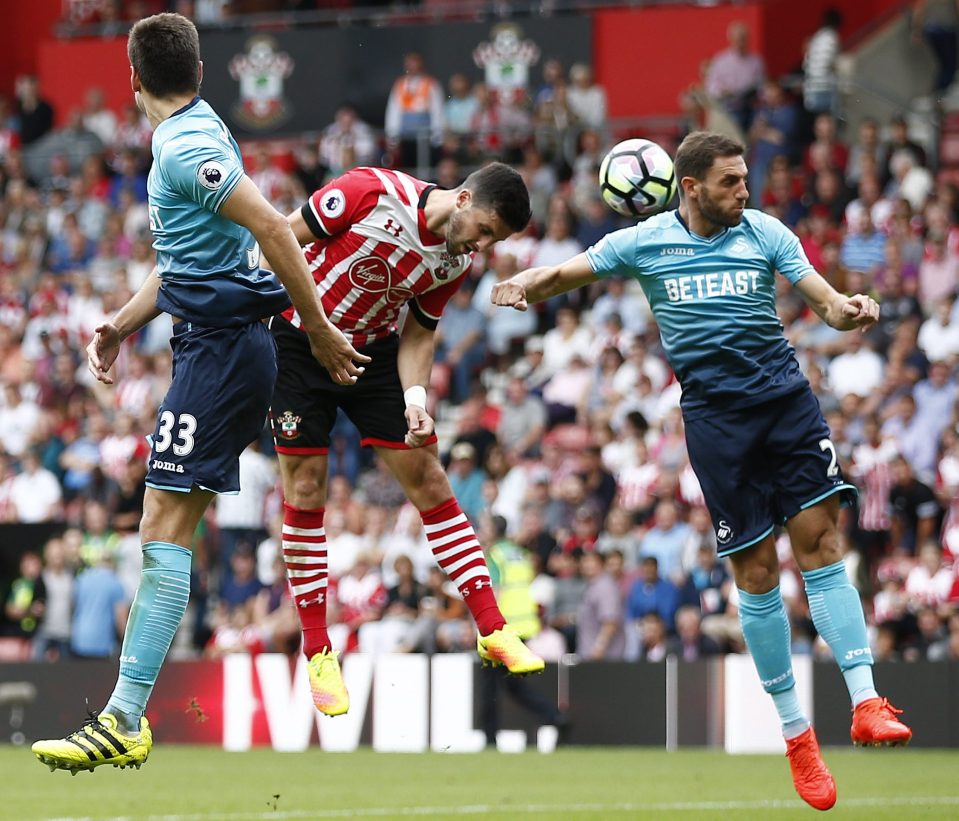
{"x": 511, "y": 572}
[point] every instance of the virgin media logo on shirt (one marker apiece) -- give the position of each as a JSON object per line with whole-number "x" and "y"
{"x": 370, "y": 274}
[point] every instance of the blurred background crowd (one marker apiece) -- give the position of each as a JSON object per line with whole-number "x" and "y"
{"x": 561, "y": 426}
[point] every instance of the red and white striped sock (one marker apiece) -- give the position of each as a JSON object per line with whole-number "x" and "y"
{"x": 458, "y": 552}
{"x": 304, "y": 552}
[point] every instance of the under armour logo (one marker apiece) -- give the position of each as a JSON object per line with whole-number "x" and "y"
{"x": 395, "y": 230}
{"x": 479, "y": 584}
{"x": 308, "y": 602}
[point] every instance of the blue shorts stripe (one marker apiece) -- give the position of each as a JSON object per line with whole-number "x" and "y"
{"x": 844, "y": 487}
{"x": 722, "y": 552}
{"x": 168, "y": 487}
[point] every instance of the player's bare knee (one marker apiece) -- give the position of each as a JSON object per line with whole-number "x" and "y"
{"x": 307, "y": 493}
{"x": 757, "y": 578}
{"x": 755, "y": 571}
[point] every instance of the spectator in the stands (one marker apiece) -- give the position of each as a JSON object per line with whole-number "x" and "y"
{"x": 652, "y": 594}
{"x": 863, "y": 247}
{"x": 35, "y": 492}
{"x": 586, "y": 99}
{"x": 26, "y": 599}
{"x": 937, "y": 22}
{"x": 689, "y": 643}
{"x": 466, "y": 480}
{"x": 505, "y": 330}
{"x": 53, "y": 638}
{"x": 600, "y": 634}
{"x": 820, "y": 82}
{"x": 522, "y": 422}
{"x": 773, "y": 132}
{"x": 899, "y": 140}
{"x": 34, "y": 114}
{"x": 915, "y": 511}
{"x": 735, "y": 74}
{"x": 99, "y": 611}
{"x": 866, "y": 154}
{"x": 347, "y": 142}
{"x": 461, "y": 342}
{"x": 460, "y": 106}
{"x": 414, "y": 113}
{"x": 97, "y": 117}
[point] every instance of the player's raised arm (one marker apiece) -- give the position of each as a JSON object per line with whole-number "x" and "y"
{"x": 246, "y": 206}
{"x": 835, "y": 309}
{"x": 536, "y": 284}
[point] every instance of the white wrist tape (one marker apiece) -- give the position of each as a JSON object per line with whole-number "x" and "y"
{"x": 415, "y": 396}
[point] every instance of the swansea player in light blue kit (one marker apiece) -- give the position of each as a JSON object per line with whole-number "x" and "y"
{"x": 209, "y": 222}
{"x": 754, "y": 431}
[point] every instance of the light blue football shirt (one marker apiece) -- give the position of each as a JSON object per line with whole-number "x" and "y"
{"x": 714, "y": 300}
{"x": 210, "y": 266}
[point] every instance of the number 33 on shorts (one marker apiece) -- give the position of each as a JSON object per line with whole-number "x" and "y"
{"x": 185, "y": 427}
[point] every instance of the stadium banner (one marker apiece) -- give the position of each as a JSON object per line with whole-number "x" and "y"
{"x": 414, "y": 703}
{"x": 284, "y": 83}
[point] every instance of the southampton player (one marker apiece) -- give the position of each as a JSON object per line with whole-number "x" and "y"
{"x": 378, "y": 240}
{"x": 756, "y": 437}
{"x": 208, "y": 221}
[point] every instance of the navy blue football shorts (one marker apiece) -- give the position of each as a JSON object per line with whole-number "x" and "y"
{"x": 759, "y": 466}
{"x": 216, "y": 405}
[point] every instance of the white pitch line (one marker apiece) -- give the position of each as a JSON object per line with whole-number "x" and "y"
{"x": 532, "y": 809}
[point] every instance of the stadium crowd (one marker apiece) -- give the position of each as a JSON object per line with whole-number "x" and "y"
{"x": 564, "y": 422}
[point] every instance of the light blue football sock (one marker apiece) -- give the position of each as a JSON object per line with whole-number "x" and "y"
{"x": 768, "y": 637}
{"x": 837, "y": 613}
{"x": 157, "y": 609}
{"x": 790, "y": 713}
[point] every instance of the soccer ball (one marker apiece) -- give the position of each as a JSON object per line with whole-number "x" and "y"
{"x": 636, "y": 178}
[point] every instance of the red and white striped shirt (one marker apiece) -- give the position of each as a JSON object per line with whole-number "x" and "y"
{"x": 872, "y": 467}
{"x": 374, "y": 254}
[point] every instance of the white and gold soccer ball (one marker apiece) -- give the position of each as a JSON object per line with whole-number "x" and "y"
{"x": 636, "y": 178}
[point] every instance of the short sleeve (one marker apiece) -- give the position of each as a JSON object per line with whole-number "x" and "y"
{"x": 201, "y": 168}
{"x": 340, "y": 203}
{"x": 786, "y": 253}
{"x": 428, "y": 307}
{"x": 614, "y": 254}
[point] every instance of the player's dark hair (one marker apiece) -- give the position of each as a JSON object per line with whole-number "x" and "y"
{"x": 832, "y": 18}
{"x": 499, "y": 188}
{"x": 165, "y": 51}
{"x": 698, "y": 151}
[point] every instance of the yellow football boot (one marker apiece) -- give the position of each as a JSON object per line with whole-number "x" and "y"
{"x": 504, "y": 647}
{"x": 326, "y": 683}
{"x": 97, "y": 742}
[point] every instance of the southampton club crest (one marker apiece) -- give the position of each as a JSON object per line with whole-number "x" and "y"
{"x": 288, "y": 425}
{"x": 261, "y": 72}
{"x": 506, "y": 59}
{"x": 442, "y": 272}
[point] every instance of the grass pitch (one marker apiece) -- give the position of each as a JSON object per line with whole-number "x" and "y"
{"x": 207, "y": 784}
